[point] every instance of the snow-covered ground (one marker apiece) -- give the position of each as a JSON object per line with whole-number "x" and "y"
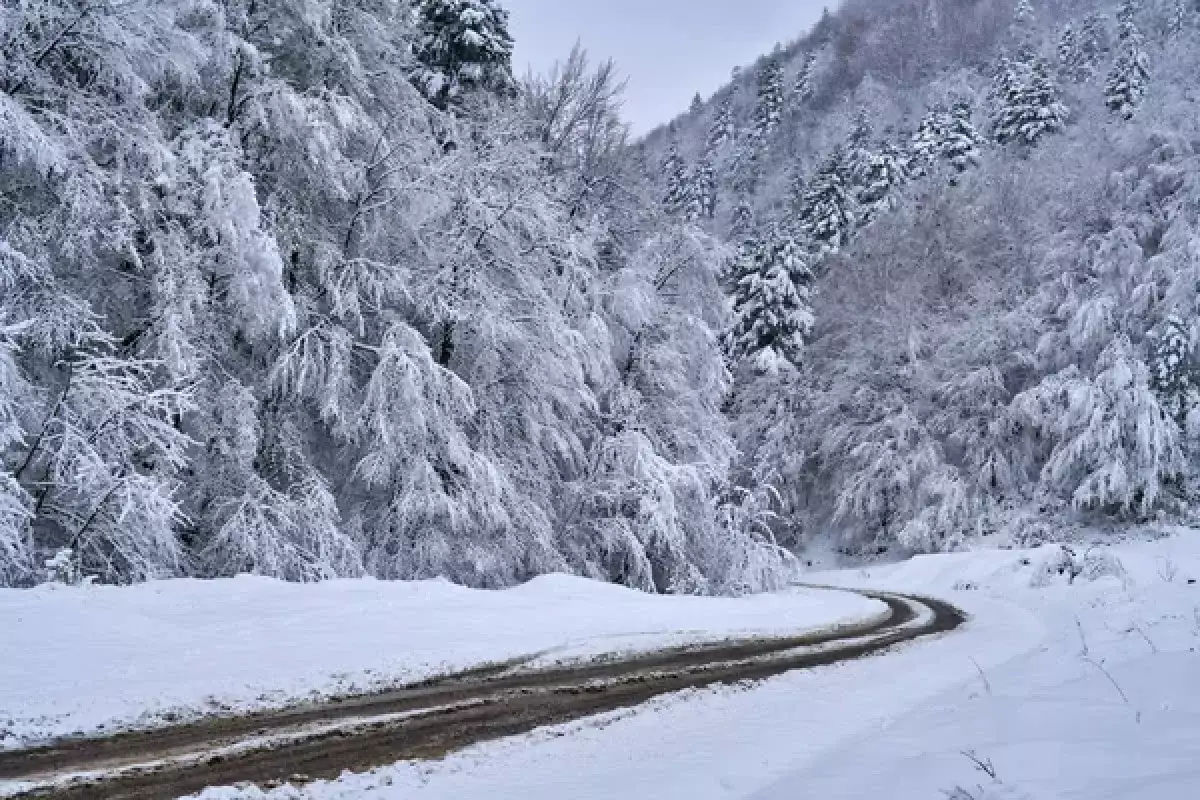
{"x": 85, "y": 659}
{"x": 1066, "y": 691}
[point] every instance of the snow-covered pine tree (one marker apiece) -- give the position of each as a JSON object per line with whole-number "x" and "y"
{"x": 948, "y": 136}
{"x": 827, "y": 213}
{"x": 462, "y": 46}
{"x": 1172, "y": 374}
{"x": 702, "y": 194}
{"x": 722, "y": 129}
{"x": 741, "y": 227}
{"x": 1026, "y": 105}
{"x": 676, "y": 185}
{"x": 856, "y": 157}
{"x": 697, "y": 105}
{"x": 769, "y": 102}
{"x": 806, "y": 79}
{"x": 1071, "y": 62}
{"x": 1094, "y": 39}
{"x": 881, "y": 177}
{"x": 1130, "y": 74}
{"x": 772, "y": 305}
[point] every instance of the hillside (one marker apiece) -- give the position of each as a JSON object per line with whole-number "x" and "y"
{"x": 966, "y": 297}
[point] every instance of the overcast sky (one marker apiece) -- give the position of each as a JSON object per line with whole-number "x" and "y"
{"x": 669, "y": 49}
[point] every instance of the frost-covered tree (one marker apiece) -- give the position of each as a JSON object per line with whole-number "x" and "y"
{"x": 1126, "y": 83}
{"x": 742, "y": 225}
{"x": 677, "y": 186}
{"x": 827, "y": 212}
{"x": 702, "y": 194}
{"x": 1114, "y": 447}
{"x": 896, "y": 488}
{"x": 463, "y": 46}
{"x": 878, "y": 181}
{"x": 948, "y": 136}
{"x": 1026, "y": 104}
{"x": 1172, "y": 374}
{"x": 806, "y": 79}
{"x": 723, "y": 128}
{"x": 772, "y": 305}
{"x": 1081, "y": 46}
{"x": 769, "y": 102}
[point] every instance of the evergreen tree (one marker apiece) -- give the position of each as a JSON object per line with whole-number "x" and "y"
{"x": 768, "y": 106}
{"x": 677, "y": 186}
{"x": 882, "y": 175}
{"x": 947, "y": 136}
{"x": 463, "y": 45}
{"x": 722, "y": 128}
{"x": 855, "y": 159}
{"x": 1126, "y": 84}
{"x": 827, "y": 214}
{"x": 741, "y": 227}
{"x": 806, "y": 78}
{"x": 702, "y": 196}
{"x": 697, "y": 104}
{"x": 1093, "y": 38}
{"x": 772, "y": 305}
{"x": 1172, "y": 376}
{"x": 1025, "y": 104}
{"x": 1070, "y": 55}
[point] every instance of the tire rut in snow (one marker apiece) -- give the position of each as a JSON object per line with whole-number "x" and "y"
{"x": 431, "y": 719}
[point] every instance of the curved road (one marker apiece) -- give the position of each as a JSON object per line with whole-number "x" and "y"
{"x": 431, "y": 719}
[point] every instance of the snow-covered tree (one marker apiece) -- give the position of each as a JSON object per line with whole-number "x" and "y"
{"x": 896, "y": 488}
{"x": 827, "y": 212}
{"x": 1114, "y": 447}
{"x": 769, "y": 102}
{"x": 1026, "y": 104}
{"x": 722, "y": 129}
{"x": 702, "y": 194}
{"x": 742, "y": 224}
{"x": 772, "y": 305}
{"x": 806, "y": 79}
{"x": 1126, "y": 83}
{"x": 948, "y": 136}
{"x": 463, "y": 46}
{"x": 879, "y": 179}
{"x": 1172, "y": 374}
{"x": 676, "y": 184}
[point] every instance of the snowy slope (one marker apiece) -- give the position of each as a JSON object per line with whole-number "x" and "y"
{"x": 1083, "y": 691}
{"x": 87, "y": 658}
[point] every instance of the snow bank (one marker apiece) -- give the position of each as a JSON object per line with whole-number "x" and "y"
{"x": 1070, "y": 689}
{"x": 90, "y": 658}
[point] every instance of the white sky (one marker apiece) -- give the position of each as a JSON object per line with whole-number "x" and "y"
{"x": 669, "y": 49}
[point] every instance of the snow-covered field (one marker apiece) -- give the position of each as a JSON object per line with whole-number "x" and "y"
{"x": 94, "y": 658}
{"x": 1066, "y": 691}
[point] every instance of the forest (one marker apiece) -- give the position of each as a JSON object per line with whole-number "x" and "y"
{"x": 321, "y": 288}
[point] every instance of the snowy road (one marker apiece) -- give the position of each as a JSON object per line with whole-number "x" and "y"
{"x": 429, "y": 720}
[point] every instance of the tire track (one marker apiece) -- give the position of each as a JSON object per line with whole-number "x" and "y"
{"x": 431, "y": 719}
